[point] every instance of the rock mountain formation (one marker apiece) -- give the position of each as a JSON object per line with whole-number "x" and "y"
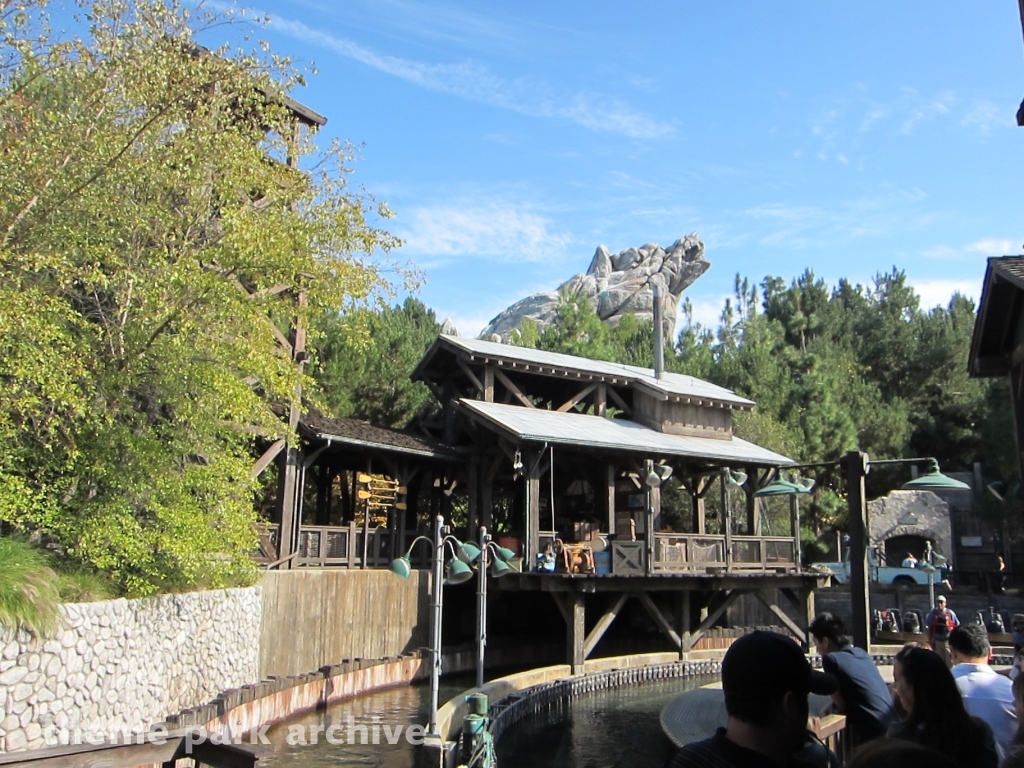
{"x": 616, "y": 285}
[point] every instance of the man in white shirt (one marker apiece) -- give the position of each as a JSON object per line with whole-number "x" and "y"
{"x": 987, "y": 694}
{"x": 910, "y": 561}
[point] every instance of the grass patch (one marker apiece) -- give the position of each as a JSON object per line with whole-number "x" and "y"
{"x": 29, "y": 588}
{"x": 35, "y": 581}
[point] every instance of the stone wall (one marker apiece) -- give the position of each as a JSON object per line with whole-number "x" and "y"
{"x": 911, "y": 513}
{"x": 119, "y": 665}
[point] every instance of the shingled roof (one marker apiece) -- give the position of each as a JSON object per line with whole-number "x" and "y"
{"x": 365, "y": 435}
{"x": 996, "y": 330}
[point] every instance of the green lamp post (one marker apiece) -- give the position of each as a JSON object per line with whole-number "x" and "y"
{"x": 857, "y": 466}
{"x": 782, "y": 487}
{"x": 492, "y": 559}
{"x": 457, "y": 572}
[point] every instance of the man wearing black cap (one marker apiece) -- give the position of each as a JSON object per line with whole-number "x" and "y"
{"x": 766, "y": 680}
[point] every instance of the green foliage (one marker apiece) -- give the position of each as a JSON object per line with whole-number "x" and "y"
{"x": 145, "y": 231}
{"x": 365, "y": 358}
{"x": 29, "y": 593}
{"x": 844, "y": 369}
{"x": 831, "y": 370}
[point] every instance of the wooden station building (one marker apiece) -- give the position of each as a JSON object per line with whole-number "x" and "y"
{"x": 561, "y": 458}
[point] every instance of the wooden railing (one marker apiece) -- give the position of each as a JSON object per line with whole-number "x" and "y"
{"x": 688, "y": 552}
{"x": 342, "y": 546}
{"x": 763, "y": 553}
{"x": 692, "y": 552}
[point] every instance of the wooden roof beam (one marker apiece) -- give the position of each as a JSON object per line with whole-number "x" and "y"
{"x": 568, "y": 404}
{"x": 509, "y": 386}
{"x": 470, "y": 375}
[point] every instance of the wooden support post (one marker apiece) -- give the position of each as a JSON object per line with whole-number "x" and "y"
{"x": 603, "y": 624}
{"x": 726, "y": 523}
{"x": 473, "y": 484}
{"x": 659, "y": 618}
{"x": 449, "y": 413}
{"x": 855, "y": 465}
{"x": 289, "y": 525}
{"x": 609, "y": 495}
{"x": 700, "y": 515}
{"x": 804, "y": 604}
{"x": 753, "y": 511}
{"x": 730, "y": 597}
{"x": 366, "y": 519}
{"x": 489, "y": 383}
{"x": 684, "y": 624}
{"x": 575, "y": 631}
{"x": 486, "y": 497}
{"x": 322, "y": 473}
{"x": 655, "y": 513}
{"x": 794, "y": 521}
{"x": 531, "y": 519}
{"x": 601, "y": 400}
{"x": 792, "y": 626}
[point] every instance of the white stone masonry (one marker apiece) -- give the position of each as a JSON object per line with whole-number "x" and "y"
{"x": 117, "y": 666}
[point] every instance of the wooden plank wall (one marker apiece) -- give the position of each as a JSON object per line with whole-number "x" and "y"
{"x": 312, "y": 618}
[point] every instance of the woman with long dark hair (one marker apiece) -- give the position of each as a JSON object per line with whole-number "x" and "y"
{"x": 936, "y": 716}
{"x": 1015, "y": 755}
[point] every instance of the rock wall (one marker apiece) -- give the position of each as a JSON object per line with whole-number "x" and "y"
{"x": 911, "y": 513}
{"x": 616, "y": 285}
{"x": 119, "y": 665}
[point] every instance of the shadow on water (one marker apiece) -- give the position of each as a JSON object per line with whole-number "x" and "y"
{"x": 392, "y": 708}
{"x": 608, "y": 729}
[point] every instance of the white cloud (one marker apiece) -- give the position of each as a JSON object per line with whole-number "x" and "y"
{"x": 707, "y": 310}
{"x": 989, "y": 246}
{"x": 992, "y": 247}
{"x": 984, "y": 116}
{"x": 501, "y": 231}
{"x": 476, "y": 82}
{"x": 937, "y": 292}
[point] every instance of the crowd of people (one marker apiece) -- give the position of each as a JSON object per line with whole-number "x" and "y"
{"x": 945, "y": 709}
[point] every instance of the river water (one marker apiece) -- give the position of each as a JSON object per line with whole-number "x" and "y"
{"x": 606, "y": 729}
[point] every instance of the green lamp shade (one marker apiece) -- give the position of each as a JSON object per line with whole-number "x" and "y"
{"x": 659, "y": 474}
{"x": 735, "y": 480}
{"x": 468, "y": 553}
{"x": 500, "y": 568}
{"x": 503, "y": 553}
{"x": 933, "y": 480}
{"x": 785, "y": 488}
{"x": 458, "y": 572}
{"x": 402, "y": 566}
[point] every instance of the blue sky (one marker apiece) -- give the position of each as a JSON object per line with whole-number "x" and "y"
{"x": 511, "y": 139}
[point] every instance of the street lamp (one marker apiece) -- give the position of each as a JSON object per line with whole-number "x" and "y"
{"x": 932, "y": 563}
{"x": 498, "y": 567}
{"x": 656, "y": 475}
{"x": 457, "y": 572}
{"x": 857, "y": 466}
{"x": 780, "y": 487}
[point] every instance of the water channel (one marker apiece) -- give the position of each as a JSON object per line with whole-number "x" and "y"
{"x": 607, "y": 729}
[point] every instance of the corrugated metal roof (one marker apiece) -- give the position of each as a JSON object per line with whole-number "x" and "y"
{"x": 675, "y": 384}
{"x": 537, "y": 425}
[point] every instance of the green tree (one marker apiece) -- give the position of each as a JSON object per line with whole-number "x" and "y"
{"x": 365, "y": 358}
{"x": 149, "y": 230}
